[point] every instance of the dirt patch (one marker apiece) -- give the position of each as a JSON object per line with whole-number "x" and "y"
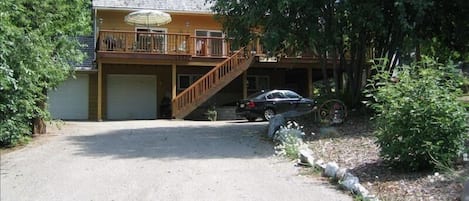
{"x": 464, "y": 99}
{"x": 52, "y": 128}
{"x": 352, "y": 145}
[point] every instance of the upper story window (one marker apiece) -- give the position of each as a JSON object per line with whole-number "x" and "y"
{"x": 151, "y": 39}
{"x": 209, "y": 43}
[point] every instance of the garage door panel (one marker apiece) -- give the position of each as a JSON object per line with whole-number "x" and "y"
{"x": 131, "y": 97}
{"x": 70, "y": 100}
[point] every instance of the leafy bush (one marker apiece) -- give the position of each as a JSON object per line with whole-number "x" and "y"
{"x": 419, "y": 122}
{"x": 37, "y": 48}
{"x": 212, "y": 113}
{"x": 290, "y": 140}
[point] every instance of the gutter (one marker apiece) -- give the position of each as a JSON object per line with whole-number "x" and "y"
{"x": 164, "y": 10}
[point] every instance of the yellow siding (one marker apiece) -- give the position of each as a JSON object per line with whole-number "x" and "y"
{"x": 181, "y": 23}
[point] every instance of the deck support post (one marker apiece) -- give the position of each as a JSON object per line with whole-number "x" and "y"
{"x": 245, "y": 84}
{"x": 310, "y": 82}
{"x": 99, "y": 103}
{"x": 173, "y": 81}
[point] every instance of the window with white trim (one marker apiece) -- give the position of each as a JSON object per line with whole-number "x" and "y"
{"x": 258, "y": 82}
{"x": 185, "y": 80}
{"x": 151, "y": 39}
{"x": 209, "y": 43}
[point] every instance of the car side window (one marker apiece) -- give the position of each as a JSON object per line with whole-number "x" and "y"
{"x": 275, "y": 95}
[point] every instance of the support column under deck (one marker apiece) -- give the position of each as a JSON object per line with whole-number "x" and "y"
{"x": 99, "y": 103}
{"x": 173, "y": 81}
{"x": 245, "y": 84}
{"x": 310, "y": 82}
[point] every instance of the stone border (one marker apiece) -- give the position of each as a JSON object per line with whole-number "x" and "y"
{"x": 332, "y": 170}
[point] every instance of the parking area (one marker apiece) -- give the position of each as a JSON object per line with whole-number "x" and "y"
{"x": 156, "y": 160}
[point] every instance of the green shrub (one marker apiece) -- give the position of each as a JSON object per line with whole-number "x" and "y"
{"x": 290, "y": 140}
{"x": 14, "y": 131}
{"x": 419, "y": 122}
{"x": 212, "y": 113}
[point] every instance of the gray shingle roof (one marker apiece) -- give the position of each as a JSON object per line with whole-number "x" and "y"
{"x": 195, "y": 6}
{"x": 88, "y": 49}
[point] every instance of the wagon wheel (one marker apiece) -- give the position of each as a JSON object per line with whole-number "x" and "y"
{"x": 333, "y": 111}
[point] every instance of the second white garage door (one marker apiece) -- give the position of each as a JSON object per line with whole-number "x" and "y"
{"x": 131, "y": 97}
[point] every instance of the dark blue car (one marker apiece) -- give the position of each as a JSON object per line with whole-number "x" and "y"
{"x": 266, "y": 104}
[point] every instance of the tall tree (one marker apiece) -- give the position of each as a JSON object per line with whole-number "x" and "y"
{"x": 351, "y": 31}
{"x": 321, "y": 27}
{"x": 37, "y": 47}
{"x": 287, "y": 27}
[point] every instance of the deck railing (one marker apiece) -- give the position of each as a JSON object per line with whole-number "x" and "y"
{"x": 210, "y": 83}
{"x": 210, "y": 46}
{"x": 162, "y": 43}
{"x": 181, "y": 44}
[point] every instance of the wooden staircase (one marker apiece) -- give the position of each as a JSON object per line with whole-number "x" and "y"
{"x": 212, "y": 82}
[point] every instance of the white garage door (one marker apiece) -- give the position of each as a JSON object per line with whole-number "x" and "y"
{"x": 70, "y": 100}
{"x": 131, "y": 97}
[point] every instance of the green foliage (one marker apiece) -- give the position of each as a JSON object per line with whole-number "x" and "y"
{"x": 290, "y": 140}
{"x": 36, "y": 50}
{"x": 357, "y": 197}
{"x": 419, "y": 122}
{"x": 465, "y": 85}
{"x": 212, "y": 113}
{"x": 346, "y": 30}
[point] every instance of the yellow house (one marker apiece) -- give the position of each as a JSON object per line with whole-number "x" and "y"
{"x": 170, "y": 71}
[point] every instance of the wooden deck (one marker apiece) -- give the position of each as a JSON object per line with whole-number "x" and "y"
{"x": 132, "y": 44}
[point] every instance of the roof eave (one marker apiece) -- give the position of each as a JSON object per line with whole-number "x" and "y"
{"x": 169, "y": 11}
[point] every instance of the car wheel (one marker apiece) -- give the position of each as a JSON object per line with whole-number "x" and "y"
{"x": 251, "y": 119}
{"x": 268, "y": 114}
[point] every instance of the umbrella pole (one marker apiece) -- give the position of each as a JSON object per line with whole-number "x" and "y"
{"x": 148, "y": 23}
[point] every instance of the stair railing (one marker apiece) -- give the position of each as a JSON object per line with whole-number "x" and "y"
{"x": 193, "y": 95}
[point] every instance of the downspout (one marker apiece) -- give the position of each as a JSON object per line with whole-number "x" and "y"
{"x": 95, "y": 31}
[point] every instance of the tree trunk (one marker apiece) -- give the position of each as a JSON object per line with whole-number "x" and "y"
{"x": 342, "y": 65}
{"x": 350, "y": 76}
{"x": 357, "y": 88}
{"x": 38, "y": 123}
{"x": 360, "y": 69}
{"x": 39, "y": 126}
{"x": 418, "y": 55}
{"x": 323, "y": 62}
{"x": 335, "y": 72}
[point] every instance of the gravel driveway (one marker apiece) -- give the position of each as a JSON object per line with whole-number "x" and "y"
{"x": 155, "y": 160}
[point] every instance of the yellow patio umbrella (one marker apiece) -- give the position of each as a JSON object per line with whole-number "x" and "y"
{"x": 148, "y": 17}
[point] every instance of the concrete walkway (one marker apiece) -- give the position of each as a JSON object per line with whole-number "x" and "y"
{"x": 156, "y": 160}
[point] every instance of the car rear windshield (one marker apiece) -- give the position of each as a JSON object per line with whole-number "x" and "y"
{"x": 255, "y": 95}
{"x": 291, "y": 94}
